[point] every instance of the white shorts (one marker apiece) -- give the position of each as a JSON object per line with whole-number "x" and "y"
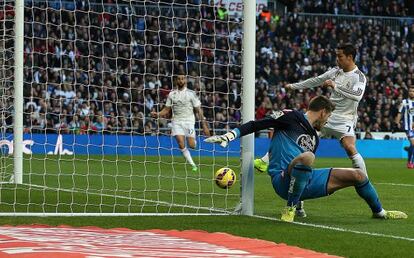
{"x": 183, "y": 128}
{"x": 338, "y": 128}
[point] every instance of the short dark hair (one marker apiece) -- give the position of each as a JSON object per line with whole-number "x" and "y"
{"x": 348, "y": 49}
{"x": 321, "y": 102}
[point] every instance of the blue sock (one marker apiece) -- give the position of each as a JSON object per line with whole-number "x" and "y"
{"x": 298, "y": 179}
{"x": 410, "y": 153}
{"x": 367, "y": 192}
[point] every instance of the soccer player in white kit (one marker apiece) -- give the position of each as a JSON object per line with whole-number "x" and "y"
{"x": 348, "y": 86}
{"x": 406, "y": 114}
{"x": 184, "y": 103}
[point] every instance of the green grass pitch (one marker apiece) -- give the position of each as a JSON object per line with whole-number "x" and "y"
{"x": 340, "y": 224}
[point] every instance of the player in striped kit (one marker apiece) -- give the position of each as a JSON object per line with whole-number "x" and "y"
{"x": 406, "y": 115}
{"x": 348, "y": 85}
{"x": 184, "y": 103}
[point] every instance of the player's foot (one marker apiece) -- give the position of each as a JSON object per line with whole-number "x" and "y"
{"x": 260, "y": 165}
{"x": 288, "y": 214}
{"x": 410, "y": 165}
{"x": 300, "y": 211}
{"x": 390, "y": 215}
{"x": 194, "y": 169}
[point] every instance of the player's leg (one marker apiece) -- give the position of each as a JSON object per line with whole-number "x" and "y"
{"x": 344, "y": 131}
{"x": 179, "y": 133}
{"x": 410, "y": 136}
{"x": 261, "y": 164}
{"x": 300, "y": 173}
{"x": 344, "y": 177}
{"x": 191, "y": 141}
{"x": 348, "y": 143}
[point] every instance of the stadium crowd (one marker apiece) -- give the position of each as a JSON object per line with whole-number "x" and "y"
{"x": 397, "y": 8}
{"x": 103, "y": 69}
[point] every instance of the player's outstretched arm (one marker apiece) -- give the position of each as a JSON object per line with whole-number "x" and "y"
{"x": 312, "y": 82}
{"x": 245, "y": 129}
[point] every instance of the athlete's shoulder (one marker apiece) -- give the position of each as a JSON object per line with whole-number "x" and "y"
{"x": 276, "y": 114}
{"x": 360, "y": 76}
{"x": 190, "y": 92}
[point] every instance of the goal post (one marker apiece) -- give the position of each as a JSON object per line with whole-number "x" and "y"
{"x": 18, "y": 92}
{"x": 88, "y": 74}
{"x": 248, "y": 108}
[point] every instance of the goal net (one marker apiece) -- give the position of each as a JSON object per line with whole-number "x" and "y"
{"x": 93, "y": 73}
{"x": 6, "y": 89}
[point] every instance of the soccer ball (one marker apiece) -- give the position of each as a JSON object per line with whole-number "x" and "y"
{"x": 225, "y": 178}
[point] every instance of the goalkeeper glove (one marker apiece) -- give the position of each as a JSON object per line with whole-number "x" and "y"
{"x": 223, "y": 140}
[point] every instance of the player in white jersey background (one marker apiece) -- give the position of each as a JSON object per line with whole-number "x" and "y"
{"x": 348, "y": 85}
{"x": 184, "y": 105}
{"x": 406, "y": 116}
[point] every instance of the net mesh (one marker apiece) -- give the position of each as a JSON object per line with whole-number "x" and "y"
{"x": 93, "y": 73}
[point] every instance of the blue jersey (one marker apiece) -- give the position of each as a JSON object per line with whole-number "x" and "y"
{"x": 407, "y": 114}
{"x": 292, "y": 136}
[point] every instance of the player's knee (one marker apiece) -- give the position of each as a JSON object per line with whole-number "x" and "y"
{"x": 307, "y": 158}
{"x": 358, "y": 175}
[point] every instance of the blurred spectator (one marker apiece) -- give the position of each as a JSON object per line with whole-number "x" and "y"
{"x": 368, "y": 136}
{"x": 222, "y": 13}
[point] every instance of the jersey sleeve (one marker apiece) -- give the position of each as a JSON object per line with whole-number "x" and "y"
{"x": 401, "y": 108}
{"x": 315, "y": 81}
{"x": 280, "y": 120}
{"x": 169, "y": 102}
{"x": 355, "y": 90}
{"x": 195, "y": 101}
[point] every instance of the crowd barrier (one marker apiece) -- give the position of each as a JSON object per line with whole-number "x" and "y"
{"x": 99, "y": 144}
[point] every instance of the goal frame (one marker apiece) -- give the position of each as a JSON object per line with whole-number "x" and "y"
{"x": 248, "y": 110}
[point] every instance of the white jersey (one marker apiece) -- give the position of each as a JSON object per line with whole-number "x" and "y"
{"x": 182, "y": 103}
{"x": 407, "y": 114}
{"x": 348, "y": 91}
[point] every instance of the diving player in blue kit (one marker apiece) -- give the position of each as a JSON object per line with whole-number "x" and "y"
{"x": 291, "y": 155}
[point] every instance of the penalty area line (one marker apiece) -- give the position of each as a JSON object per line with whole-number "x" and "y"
{"x": 394, "y": 184}
{"x": 339, "y": 229}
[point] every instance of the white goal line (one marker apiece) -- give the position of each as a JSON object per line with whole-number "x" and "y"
{"x": 340, "y": 229}
{"x": 395, "y": 184}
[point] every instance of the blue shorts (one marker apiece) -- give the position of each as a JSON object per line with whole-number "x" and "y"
{"x": 315, "y": 188}
{"x": 410, "y": 134}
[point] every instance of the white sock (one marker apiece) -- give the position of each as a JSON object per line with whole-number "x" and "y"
{"x": 187, "y": 156}
{"x": 381, "y": 214}
{"x": 358, "y": 162}
{"x": 265, "y": 158}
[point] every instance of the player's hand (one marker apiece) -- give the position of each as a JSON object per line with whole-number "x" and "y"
{"x": 288, "y": 87}
{"x": 329, "y": 83}
{"x": 221, "y": 139}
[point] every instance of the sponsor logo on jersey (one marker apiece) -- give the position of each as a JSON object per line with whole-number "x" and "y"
{"x": 306, "y": 142}
{"x": 276, "y": 114}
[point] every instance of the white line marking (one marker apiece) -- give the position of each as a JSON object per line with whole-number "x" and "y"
{"x": 340, "y": 229}
{"x": 394, "y": 184}
{"x": 255, "y": 216}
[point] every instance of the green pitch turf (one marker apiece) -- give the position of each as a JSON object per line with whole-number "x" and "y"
{"x": 340, "y": 224}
